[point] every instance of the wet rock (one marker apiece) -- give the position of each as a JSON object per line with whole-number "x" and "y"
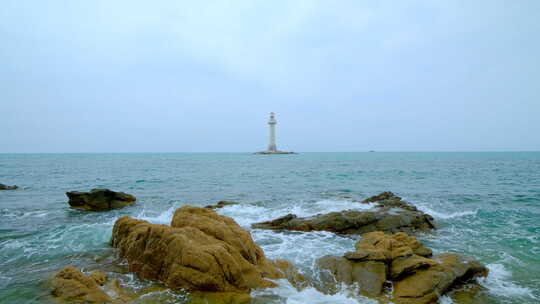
{"x": 70, "y": 284}
{"x": 219, "y": 298}
{"x": 390, "y": 214}
{"x": 99, "y": 199}
{"x": 370, "y": 275}
{"x": 416, "y": 279}
{"x": 387, "y": 219}
{"x": 221, "y": 204}
{"x": 427, "y": 285}
{"x": 380, "y": 197}
{"x": 6, "y": 187}
{"x": 200, "y": 251}
{"x": 290, "y": 272}
{"x": 390, "y": 200}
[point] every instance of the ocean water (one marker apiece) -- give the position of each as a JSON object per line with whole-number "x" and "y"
{"x": 486, "y": 205}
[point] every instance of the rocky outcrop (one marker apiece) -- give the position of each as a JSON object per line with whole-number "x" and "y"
{"x": 99, "y": 199}
{"x": 200, "y": 251}
{"x": 71, "y": 285}
{"x": 6, "y": 187}
{"x": 390, "y": 214}
{"x": 388, "y": 199}
{"x": 221, "y": 204}
{"x": 416, "y": 276}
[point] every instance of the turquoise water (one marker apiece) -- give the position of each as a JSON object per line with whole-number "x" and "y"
{"x": 486, "y": 205}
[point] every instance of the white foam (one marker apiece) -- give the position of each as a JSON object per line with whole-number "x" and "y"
{"x": 164, "y": 217}
{"x": 499, "y": 283}
{"x": 446, "y": 216}
{"x": 445, "y": 300}
{"x": 247, "y": 214}
{"x": 312, "y": 295}
{"x": 21, "y": 214}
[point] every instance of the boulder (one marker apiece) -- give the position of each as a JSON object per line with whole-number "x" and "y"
{"x": 381, "y": 257}
{"x": 427, "y": 285}
{"x": 389, "y": 200}
{"x": 6, "y": 187}
{"x": 221, "y": 204}
{"x": 370, "y": 275}
{"x": 200, "y": 251}
{"x": 390, "y": 214}
{"x": 70, "y": 284}
{"x": 99, "y": 199}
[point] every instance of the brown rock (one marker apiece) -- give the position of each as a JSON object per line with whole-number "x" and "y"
{"x": 99, "y": 277}
{"x": 381, "y": 256}
{"x": 99, "y": 200}
{"x": 72, "y": 285}
{"x": 290, "y": 272}
{"x": 202, "y": 251}
{"x": 425, "y": 286}
{"x": 403, "y": 266}
{"x": 390, "y": 215}
{"x": 353, "y": 222}
{"x": 219, "y": 298}
{"x": 370, "y": 275}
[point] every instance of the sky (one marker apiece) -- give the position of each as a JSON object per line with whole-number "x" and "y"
{"x": 202, "y": 76}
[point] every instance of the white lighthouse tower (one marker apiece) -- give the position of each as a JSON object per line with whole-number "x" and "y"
{"x": 272, "y": 149}
{"x": 272, "y": 136}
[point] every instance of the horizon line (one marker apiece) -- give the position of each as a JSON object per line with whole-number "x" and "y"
{"x": 244, "y": 152}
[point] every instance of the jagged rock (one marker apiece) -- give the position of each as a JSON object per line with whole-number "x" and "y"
{"x": 426, "y": 286}
{"x": 6, "y": 187}
{"x": 380, "y": 197}
{"x": 221, "y": 204}
{"x": 200, "y": 251}
{"x": 390, "y": 200}
{"x": 416, "y": 279}
{"x": 403, "y": 266}
{"x": 99, "y": 199}
{"x": 99, "y": 277}
{"x": 391, "y": 214}
{"x": 370, "y": 275}
{"x": 219, "y": 298}
{"x": 290, "y": 272}
{"x": 72, "y": 285}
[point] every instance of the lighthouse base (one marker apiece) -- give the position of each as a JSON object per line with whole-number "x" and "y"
{"x": 275, "y": 152}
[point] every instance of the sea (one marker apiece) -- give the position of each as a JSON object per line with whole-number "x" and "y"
{"x": 485, "y": 205}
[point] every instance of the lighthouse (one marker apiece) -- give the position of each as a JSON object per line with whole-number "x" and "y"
{"x": 272, "y": 135}
{"x": 272, "y": 149}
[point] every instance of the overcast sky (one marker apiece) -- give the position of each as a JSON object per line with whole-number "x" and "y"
{"x": 174, "y": 76}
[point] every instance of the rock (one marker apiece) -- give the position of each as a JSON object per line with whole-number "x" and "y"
{"x": 381, "y": 197}
{"x": 388, "y": 218}
{"x": 219, "y": 298}
{"x": 403, "y": 266}
{"x": 72, "y": 285}
{"x": 99, "y": 199}
{"x": 391, "y": 214}
{"x": 6, "y": 187}
{"x": 390, "y": 200}
{"x": 370, "y": 275}
{"x": 200, "y": 251}
{"x": 416, "y": 279}
{"x": 426, "y": 286}
{"x": 290, "y": 272}
{"x": 99, "y": 277}
{"x": 221, "y": 204}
